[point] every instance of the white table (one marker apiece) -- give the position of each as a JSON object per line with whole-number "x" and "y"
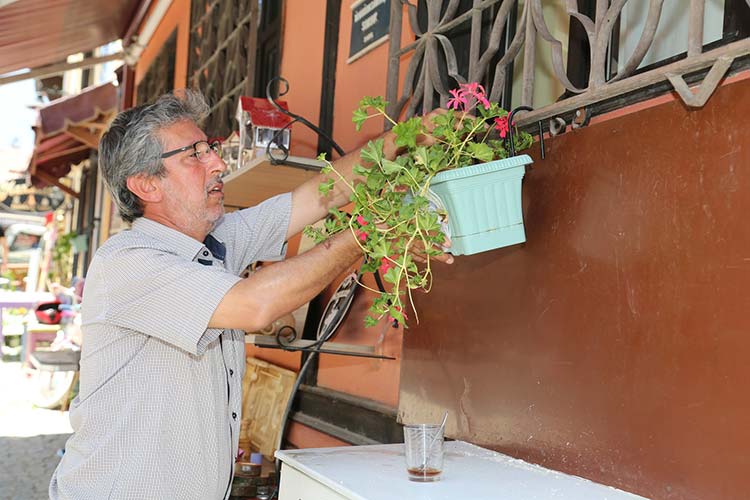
{"x": 378, "y": 473}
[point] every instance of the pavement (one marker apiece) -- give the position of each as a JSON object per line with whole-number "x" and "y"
{"x": 30, "y": 437}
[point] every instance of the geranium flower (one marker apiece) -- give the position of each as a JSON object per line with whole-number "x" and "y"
{"x": 476, "y": 91}
{"x": 361, "y": 220}
{"x": 474, "y": 88}
{"x": 501, "y": 124}
{"x": 391, "y": 319}
{"x": 361, "y": 236}
{"x": 458, "y": 100}
{"x": 385, "y": 264}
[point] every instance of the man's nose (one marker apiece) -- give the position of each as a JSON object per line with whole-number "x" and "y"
{"x": 216, "y": 165}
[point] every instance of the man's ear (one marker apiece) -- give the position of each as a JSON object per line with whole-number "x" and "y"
{"x": 145, "y": 187}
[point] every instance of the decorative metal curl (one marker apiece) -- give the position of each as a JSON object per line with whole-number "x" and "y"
{"x": 581, "y": 118}
{"x": 295, "y": 118}
{"x": 557, "y": 126}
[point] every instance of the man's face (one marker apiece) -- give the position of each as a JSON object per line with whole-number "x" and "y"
{"x": 193, "y": 192}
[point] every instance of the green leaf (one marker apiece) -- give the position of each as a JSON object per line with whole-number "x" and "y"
{"x": 359, "y": 117}
{"x": 522, "y": 140}
{"x": 325, "y": 187}
{"x": 371, "y": 321}
{"x": 428, "y": 220}
{"x": 407, "y": 132}
{"x": 317, "y": 235}
{"x": 375, "y": 181}
{"x": 373, "y": 102}
{"x": 392, "y": 275}
{"x": 390, "y": 167}
{"x": 373, "y": 151}
{"x": 481, "y": 151}
{"x": 498, "y": 147}
{"x": 397, "y": 315}
{"x": 380, "y": 250}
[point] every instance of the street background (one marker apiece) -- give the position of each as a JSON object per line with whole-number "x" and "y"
{"x": 29, "y": 437}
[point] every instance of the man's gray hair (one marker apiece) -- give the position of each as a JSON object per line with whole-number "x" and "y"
{"x": 132, "y": 145}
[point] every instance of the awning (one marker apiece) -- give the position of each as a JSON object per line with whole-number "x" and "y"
{"x": 67, "y": 130}
{"x": 35, "y": 33}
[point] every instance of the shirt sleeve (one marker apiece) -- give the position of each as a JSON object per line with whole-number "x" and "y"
{"x": 257, "y": 233}
{"x": 164, "y": 295}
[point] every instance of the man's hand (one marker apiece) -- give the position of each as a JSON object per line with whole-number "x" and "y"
{"x": 391, "y": 150}
{"x": 419, "y": 254}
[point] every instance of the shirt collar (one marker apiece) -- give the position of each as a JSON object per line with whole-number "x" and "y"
{"x": 178, "y": 242}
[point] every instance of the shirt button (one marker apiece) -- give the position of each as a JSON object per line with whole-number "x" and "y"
{"x": 231, "y": 372}
{"x": 205, "y": 253}
{"x": 234, "y": 415}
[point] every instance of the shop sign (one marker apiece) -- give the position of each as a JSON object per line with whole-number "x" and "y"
{"x": 16, "y": 195}
{"x": 370, "y": 26}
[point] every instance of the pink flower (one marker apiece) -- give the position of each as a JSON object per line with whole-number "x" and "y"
{"x": 473, "y": 88}
{"x": 501, "y": 124}
{"x": 465, "y": 92}
{"x": 361, "y": 220}
{"x": 391, "y": 319}
{"x": 361, "y": 235}
{"x": 458, "y": 100}
{"x": 386, "y": 263}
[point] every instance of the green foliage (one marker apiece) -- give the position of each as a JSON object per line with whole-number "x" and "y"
{"x": 392, "y": 217}
{"x": 62, "y": 253}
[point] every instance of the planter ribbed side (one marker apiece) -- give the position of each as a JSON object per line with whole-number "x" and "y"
{"x": 484, "y": 204}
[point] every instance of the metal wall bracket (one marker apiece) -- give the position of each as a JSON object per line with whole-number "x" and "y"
{"x": 269, "y": 341}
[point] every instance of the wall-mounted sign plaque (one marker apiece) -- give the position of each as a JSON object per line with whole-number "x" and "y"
{"x": 370, "y": 25}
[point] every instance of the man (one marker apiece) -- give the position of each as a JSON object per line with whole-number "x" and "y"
{"x": 158, "y": 413}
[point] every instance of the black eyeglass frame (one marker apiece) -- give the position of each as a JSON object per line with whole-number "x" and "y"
{"x": 215, "y": 146}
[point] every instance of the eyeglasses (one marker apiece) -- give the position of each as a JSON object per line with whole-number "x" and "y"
{"x": 201, "y": 150}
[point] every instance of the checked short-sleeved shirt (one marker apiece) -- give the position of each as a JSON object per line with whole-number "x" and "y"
{"x": 159, "y": 408}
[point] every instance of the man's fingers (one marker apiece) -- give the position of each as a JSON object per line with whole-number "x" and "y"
{"x": 445, "y": 258}
{"x": 419, "y": 254}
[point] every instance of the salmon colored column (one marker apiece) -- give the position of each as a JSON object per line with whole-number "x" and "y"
{"x": 302, "y": 65}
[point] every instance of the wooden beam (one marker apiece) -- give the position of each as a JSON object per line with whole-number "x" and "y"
{"x": 41, "y": 174}
{"x": 56, "y": 154}
{"x": 98, "y": 125}
{"x": 56, "y": 69}
{"x": 47, "y": 144}
{"x": 83, "y": 134}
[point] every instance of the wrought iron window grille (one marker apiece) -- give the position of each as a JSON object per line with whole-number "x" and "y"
{"x": 506, "y": 32}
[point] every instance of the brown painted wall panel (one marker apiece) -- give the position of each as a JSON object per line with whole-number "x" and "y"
{"x": 615, "y": 343}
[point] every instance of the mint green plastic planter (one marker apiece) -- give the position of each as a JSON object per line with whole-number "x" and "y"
{"x": 484, "y": 204}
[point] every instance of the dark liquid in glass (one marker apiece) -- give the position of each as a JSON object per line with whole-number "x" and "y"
{"x": 423, "y": 474}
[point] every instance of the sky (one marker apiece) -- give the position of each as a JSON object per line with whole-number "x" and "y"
{"x": 16, "y": 135}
